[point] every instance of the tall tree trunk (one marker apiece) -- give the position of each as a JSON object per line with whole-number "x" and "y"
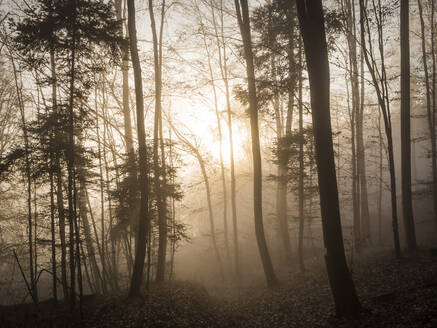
{"x": 35, "y": 233}
{"x": 173, "y": 209}
{"x": 128, "y": 137}
{"x": 407, "y": 203}
{"x": 354, "y": 180}
{"x": 311, "y": 21}
{"x": 125, "y": 73}
{"x": 70, "y": 161}
{"x": 219, "y": 128}
{"x": 211, "y": 215}
{"x": 52, "y": 169}
{"x": 223, "y": 64}
{"x": 59, "y": 183}
{"x": 291, "y": 17}
{"x": 28, "y": 180}
{"x": 380, "y": 176}
{"x": 143, "y": 218}
{"x": 78, "y": 243}
{"x": 159, "y": 171}
{"x": 242, "y": 11}
{"x": 96, "y": 236}
{"x": 432, "y": 117}
{"x": 356, "y": 166}
{"x": 281, "y": 195}
{"x": 102, "y": 203}
{"x": 113, "y": 277}
{"x": 361, "y": 155}
{"x": 83, "y": 210}
{"x": 301, "y": 194}
{"x": 381, "y": 87}
{"x": 115, "y": 241}
{"x": 430, "y": 104}
{"x": 91, "y": 286}
{"x": 52, "y": 230}
{"x": 62, "y": 232}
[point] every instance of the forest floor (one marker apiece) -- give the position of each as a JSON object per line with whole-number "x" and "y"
{"x": 393, "y": 293}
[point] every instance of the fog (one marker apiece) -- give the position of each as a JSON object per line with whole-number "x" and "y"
{"x": 121, "y": 171}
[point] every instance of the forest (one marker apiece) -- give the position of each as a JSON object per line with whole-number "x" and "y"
{"x": 218, "y": 163}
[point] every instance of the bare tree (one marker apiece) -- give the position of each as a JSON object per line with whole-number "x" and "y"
{"x": 28, "y": 179}
{"x": 222, "y": 47}
{"x": 430, "y": 95}
{"x": 407, "y": 203}
{"x": 204, "y": 33}
{"x": 242, "y": 11}
{"x": 310, "y": 13}
{"x": 143, "y": 217}
{"x": 380, "y": 83}
{"x": 158, "y": 140}
{"x": 194, "y": 150}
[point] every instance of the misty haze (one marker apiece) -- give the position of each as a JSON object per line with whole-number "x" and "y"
{"x": 218, "y": 163}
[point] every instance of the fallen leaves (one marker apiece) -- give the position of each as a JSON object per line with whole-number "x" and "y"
{"x": 393, "y": 294}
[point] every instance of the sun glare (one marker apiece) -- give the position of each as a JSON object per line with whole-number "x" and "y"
{"x": 239, "y": 139}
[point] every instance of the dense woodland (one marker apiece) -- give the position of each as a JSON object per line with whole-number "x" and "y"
{"x": 208, "y": 163}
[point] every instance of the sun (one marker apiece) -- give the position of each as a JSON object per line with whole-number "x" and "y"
{"x": 200, "y": 124}
{"x": 240, "y": 142}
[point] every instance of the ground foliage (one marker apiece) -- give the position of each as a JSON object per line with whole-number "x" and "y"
{"x": 394, "y": 293}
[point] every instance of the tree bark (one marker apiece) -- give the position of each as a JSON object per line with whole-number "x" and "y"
{"x": 159, "y": 171}
{"x": 301, "y": 194}
{"x": 59, "y": 183}
{"x": 380, "y": 176}
{"x": 70, "y": 161}
{"x": 102, "y": 204}
{"x": 355, "y": 125}
{"x": 381, "y": 87}
{"x": 430, "y": 104}
{"x": 221, "y": 42}
{"x": 432, "y": 118}
{"x": 244, "y": 24}
{"x": 83, "y": 210}
{"x": 311, "y": 21}
{"x": 28, "y": 180}
{"x": 125, "y": 73}
{"x": 143, "y": 218}
{"x": 361, "y": 155}
{"x": 407, "y": 203}
{"x": 52, "y": 230}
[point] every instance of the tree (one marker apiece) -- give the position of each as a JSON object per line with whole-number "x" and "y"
{"x": 223, "y": 64}
{"x": 276, "y": 77}
{"x": 28, "y": 179}
{"x": 242, "y": 11}
{"x": 194, "y": 150}
{"x": 301, "y": 195}
{"x": 214, "y": 88}
{"x": 143, "y": 217}
{"x": 353, "y": 73}
{"x": 311, "y": 20}
{"x": 67, "y": 37}
{"x": 407, "y": 203}
{"x": 161, "y": 199}
{"x": 430, "y": 95}
{"x": 380, "y": 83}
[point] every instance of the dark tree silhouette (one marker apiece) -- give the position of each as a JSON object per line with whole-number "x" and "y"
{"x": 310, "y": 13}
{"x": 244, "y": 24}
{"x": 407, "y": 203}
{"x": 143, "y": 218}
